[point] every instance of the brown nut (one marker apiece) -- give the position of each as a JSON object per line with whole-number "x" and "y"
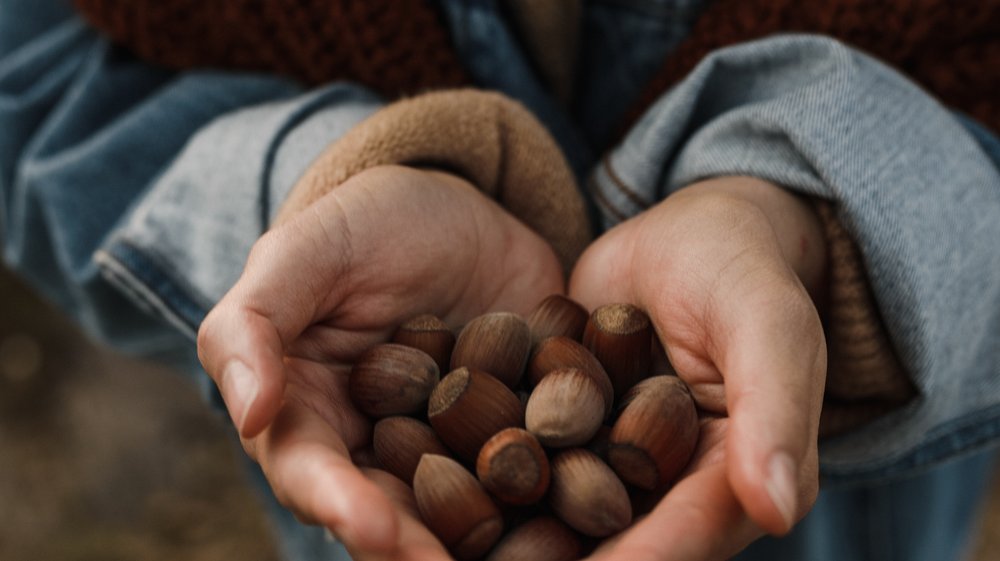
{"x": 620, "y": 336}
{"x": 566, "y": 408}
{"x": 562, "y": 352}
{"x": 513, "y": 467}
{"x": 468, "y": 407}
{"x": 497, "y": 343}
{"x": 539, "y": 539}
{"x": 456, "y": 507}
{"x": 655, "y": 434}
{"x": 391, "y": 379}
{"x": 429, "y": 334}
{"x": 555, "y": 316}
{"x": 587, "y": 495}
{"x": 399, "y": 442}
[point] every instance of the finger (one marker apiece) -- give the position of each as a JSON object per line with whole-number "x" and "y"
{"x": 698, "y": 520}
{"x": 243, "y": 340}
{"x": 768, "y": 343}
{"x": 308, "y": 467}
{"x": 416, "y": 542}
{"x": 603, "y": 275}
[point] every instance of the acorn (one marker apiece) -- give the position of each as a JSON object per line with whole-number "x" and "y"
{"x": 562, "y": 352}
{"x": 497, "y": 343}
{"x": 399, "y": 442}
{"x": 540, "y": 539}
{"x": 555, "y": 316}
{"x": 470, "y": 406}
{"x": 655, "y": 434}
{"x": 620, "y": 336}
{"x": 391, "y": 379}
{"x": 456, "y": 507}
{"x": 429, "y": 334}
{"x": 587, "y": 495}
{"x": 566, "y": 408}
{"x": 513, "y": 467}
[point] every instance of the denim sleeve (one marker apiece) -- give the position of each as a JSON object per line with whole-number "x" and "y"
{"x": 916, "y": 189}
{"x": 126, "y": 189}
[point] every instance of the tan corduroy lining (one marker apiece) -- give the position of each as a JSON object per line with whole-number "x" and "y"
{"x": 488, "y": 139}
{"x": 864, "y": 377}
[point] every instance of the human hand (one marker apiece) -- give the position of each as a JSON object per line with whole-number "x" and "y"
{"x": 725, "y": 269}
{"x": 333, "y": 280}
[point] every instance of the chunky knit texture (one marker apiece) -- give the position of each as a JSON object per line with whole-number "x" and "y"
{"x": 392, "y": 46}
{"x": 950, "y": 48}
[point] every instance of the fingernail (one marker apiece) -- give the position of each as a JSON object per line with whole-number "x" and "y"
{"x": 239, "y": 389}
{"x": 781, "y": 485}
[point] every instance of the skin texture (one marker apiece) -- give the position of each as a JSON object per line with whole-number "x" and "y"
{"x": 728, "y": 270}
{"x": 389, "y": 244}
{"x": 720, "y": 269}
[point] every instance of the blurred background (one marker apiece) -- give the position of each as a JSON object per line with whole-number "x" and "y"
{"x": 106, "y": 458}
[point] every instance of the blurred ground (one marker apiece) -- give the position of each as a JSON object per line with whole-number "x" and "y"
{"x": 105, "y": 459}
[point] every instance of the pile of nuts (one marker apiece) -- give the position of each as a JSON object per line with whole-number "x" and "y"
{"x": 525, "y": 428}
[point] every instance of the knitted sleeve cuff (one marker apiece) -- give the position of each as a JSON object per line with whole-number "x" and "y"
{"x": 864, "y": 377}
{"x": 488, "y": 139}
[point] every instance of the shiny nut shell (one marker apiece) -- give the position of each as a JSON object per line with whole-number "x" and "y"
{"x": 468, "y": 407}
{"x": 565, "y": 409}
{"x": 513, "y": 467}
{"x": 391, "y": 379}
{"x": 399, "y": 442}
{"x": 539, "y": 539}
{"x": 555, "y": 316}
{"x": 497, "y": 343}
{"x": 562, "y": 352}
{"x": 655, "y": 434}
{"x": 587, "y": 495}
{"x": 620, "y": 336}
{"x": 456, "y": 507}
{"x": 429, "y": 334}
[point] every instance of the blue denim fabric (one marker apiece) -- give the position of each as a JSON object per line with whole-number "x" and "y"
{"x": 131, "y": 196}
{"x": 911, "y": 184}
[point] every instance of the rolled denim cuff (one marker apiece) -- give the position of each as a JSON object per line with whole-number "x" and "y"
{"x": 185, "y": 243}
{"x": 912, "y": 188}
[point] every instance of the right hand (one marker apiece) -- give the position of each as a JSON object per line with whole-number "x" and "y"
{"x": 336, "y": 278}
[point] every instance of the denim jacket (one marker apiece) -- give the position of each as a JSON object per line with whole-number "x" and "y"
{"x": 130, "y": 196}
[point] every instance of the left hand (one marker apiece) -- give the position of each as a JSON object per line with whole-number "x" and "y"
{"x": 722, "y": 268}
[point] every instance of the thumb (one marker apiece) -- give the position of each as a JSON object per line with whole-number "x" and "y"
{"x": 243, "y": 340}
{"x": 771, "y": 352}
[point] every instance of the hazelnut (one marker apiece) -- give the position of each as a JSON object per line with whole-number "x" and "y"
{"x": 468, "y": 407}
{"x": 392, "y": 379}
{"x": 655, "y": 434}
{"x": 513, "y": 467}
{"x": 456, "y": 507}
{"x": 620, "y": 336}
{"x": 539, "y": 539}
{"x": 557, "y": 315}
{"x": 562, "y": 352}
{"x": 497, "y": 343}
{"x": 429, "y": 334}
{"x": 587, "y": 495}
{"x": 566, "y": 408}
{"x": 399, "y": 442}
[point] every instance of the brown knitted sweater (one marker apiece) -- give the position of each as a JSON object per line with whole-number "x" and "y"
{"x": 950, "y": 48}
{"x": 392, "y": 46}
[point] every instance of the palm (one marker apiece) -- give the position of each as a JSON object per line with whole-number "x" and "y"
{"x": 332, "y": 281}
{"x": 741, "y": 330}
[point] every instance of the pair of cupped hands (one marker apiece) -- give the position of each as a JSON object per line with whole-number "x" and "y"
{"x": 728, "y": 269}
